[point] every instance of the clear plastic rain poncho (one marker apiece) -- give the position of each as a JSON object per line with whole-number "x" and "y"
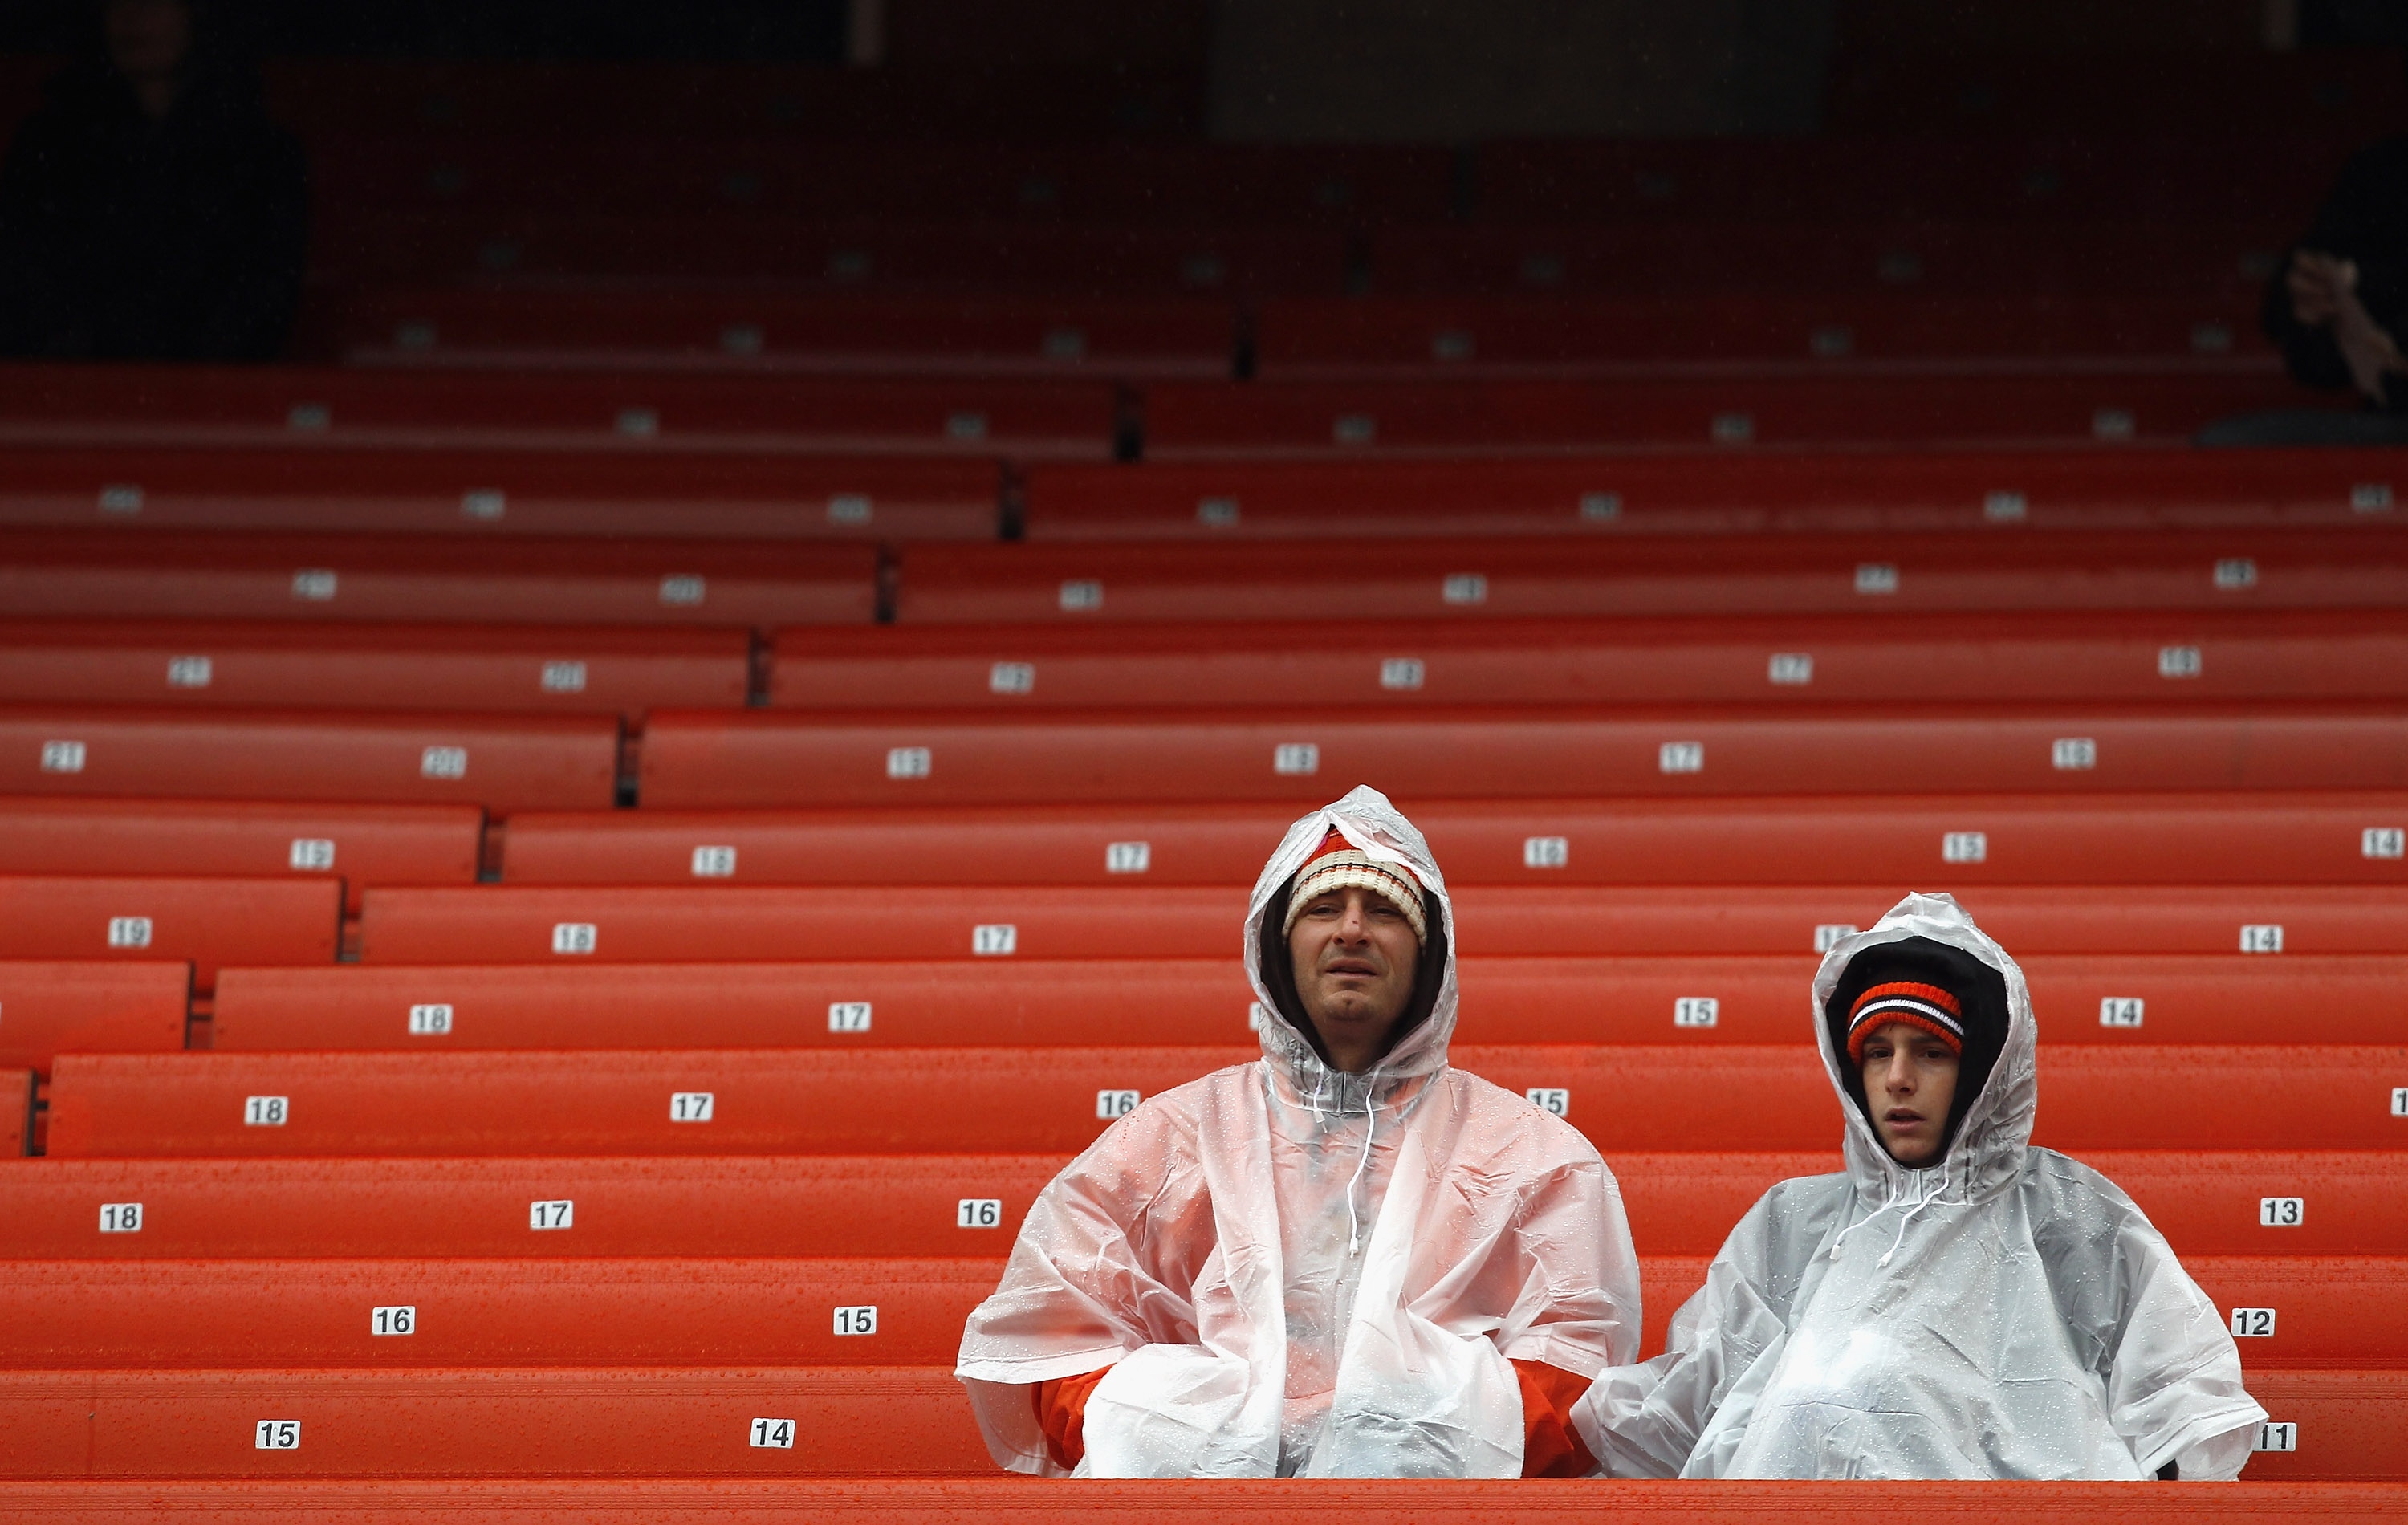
{"x": 2005, "y": 1313}
{"x": 1294, "y": 1270}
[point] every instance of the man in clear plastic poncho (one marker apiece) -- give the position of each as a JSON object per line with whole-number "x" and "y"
{"x": 1957, "y": 1303}
{"x": 1343, "y": 1260}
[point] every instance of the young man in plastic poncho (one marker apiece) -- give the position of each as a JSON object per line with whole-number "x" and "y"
{"x": 1958, "y": 1304}
{"x": 1342, "y": 1259}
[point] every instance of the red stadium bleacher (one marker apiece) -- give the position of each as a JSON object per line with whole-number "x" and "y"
{"x": 693, "y": 451}
{"x": 859, "y": 1310}
{"x": 1839, "y": 334}
{"x": 1267, "y": 419}
{"x": 1725, "y": 494}
{"x": 500, "y": 762}
{"x": 2124, "y": 999}
{"x": 204, "y": 922}
{"x": 17, "y": 1091}
{"x": 1798, "y": 661}
{"x": 2353, "y": 1203}
{"x": 360, "y": 844}
{"x": 210, "y": 663}
{"x": 2191, "y": 569}
{"x": 2239, "y": 838}
{"x": 704, "y": 760}
{"x": 547, "y": 924}
{"x": 111, "y": 574}
{"x": 47, "y": 1007}
{"x": 471, "y": 1422}
{"x": 1056, "y": 1101}
{"x": 538, "y": 328}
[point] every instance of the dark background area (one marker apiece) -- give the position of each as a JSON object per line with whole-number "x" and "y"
{"x": 791, "y": 31}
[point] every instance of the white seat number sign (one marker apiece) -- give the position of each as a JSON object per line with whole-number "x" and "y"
{"x": 431, "y": 1019}
{"x": 773, "y": 1434}
{"x": 978, "y": 1213}
{"x": 995, "y": 940}
{"x": 690, "y": 1107}
{"x": 1553, "y": 1098}
{"x": 277, "y": 1436}
{"x": 1681, "y": 757}
{"x": 1696, "y": 1012}
{"x": 848, "y": 1016}
{"x": 1113, "y": 1105}
{"x": 2121, "y": 1010}
{"x": 574, "y": 937}
{"x": 400, "y": 1318}
{"x": 120, "y": 1217}
{"x": 559, "y": 1213}
{"x": 861, "y": 1319}
{"x": 266, "y": 1111}
{"x": 2282, "y": 1211}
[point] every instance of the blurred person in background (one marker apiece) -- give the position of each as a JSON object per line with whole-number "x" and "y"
{"x": 2338, "y": 306}
{"x": 149, "y": 208}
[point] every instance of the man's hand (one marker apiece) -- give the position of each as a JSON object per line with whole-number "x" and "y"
{"x": 2318, "y": 283}
{"x": 2324, "y": 294}
{"x": 2366, "y": 348}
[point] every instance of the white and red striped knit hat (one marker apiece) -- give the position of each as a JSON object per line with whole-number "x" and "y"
{"x": 1917, "y": 1005}
{"x": 1338, "y": 864}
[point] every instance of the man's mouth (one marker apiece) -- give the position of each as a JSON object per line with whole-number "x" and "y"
{"x": 1900, "y": 1118}
{"x": 1351, "y": 965}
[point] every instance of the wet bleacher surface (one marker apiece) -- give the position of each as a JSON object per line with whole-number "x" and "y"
{"x": 647, "y": 796}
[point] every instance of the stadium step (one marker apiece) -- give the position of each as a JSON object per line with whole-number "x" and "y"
{"x": 207, "y": 665}
{"x": 464, "y": 428}
{"x": 2333, "y": 838}
{"x": 47, "y": 1007}
{"x": 1725, "y": 494}
{"x": 499, "y": 762}
{"x": 1195, "y": 421}
{"x": 1469, "y": 582}
{"x": 446, "y": 1473}
{"x": 2126, "y": 999}
{"x": 87, "y": 1315}
{"x": 501, "y": 924}
{"x": 713, "y": 760}
{"x": 363, "y": 845}
{"x": 1727, "y": 1096}
{"x": 546, "y": 1421}
{"x": 522, "y": 579}
{"x": 2279, "y": 1202}
{"x": 206, "y": 922}
{"x": 1804, "y": 662}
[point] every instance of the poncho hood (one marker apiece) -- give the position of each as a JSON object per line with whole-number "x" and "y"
{"x": 1985, "y": 1152}
{"x": 1379, "y": 831}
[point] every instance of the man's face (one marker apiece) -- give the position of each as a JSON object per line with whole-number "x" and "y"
{"x": 1910, "y": 1083}
{"x": 148, "y": 38}
{"x": 1354, "y": 955}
